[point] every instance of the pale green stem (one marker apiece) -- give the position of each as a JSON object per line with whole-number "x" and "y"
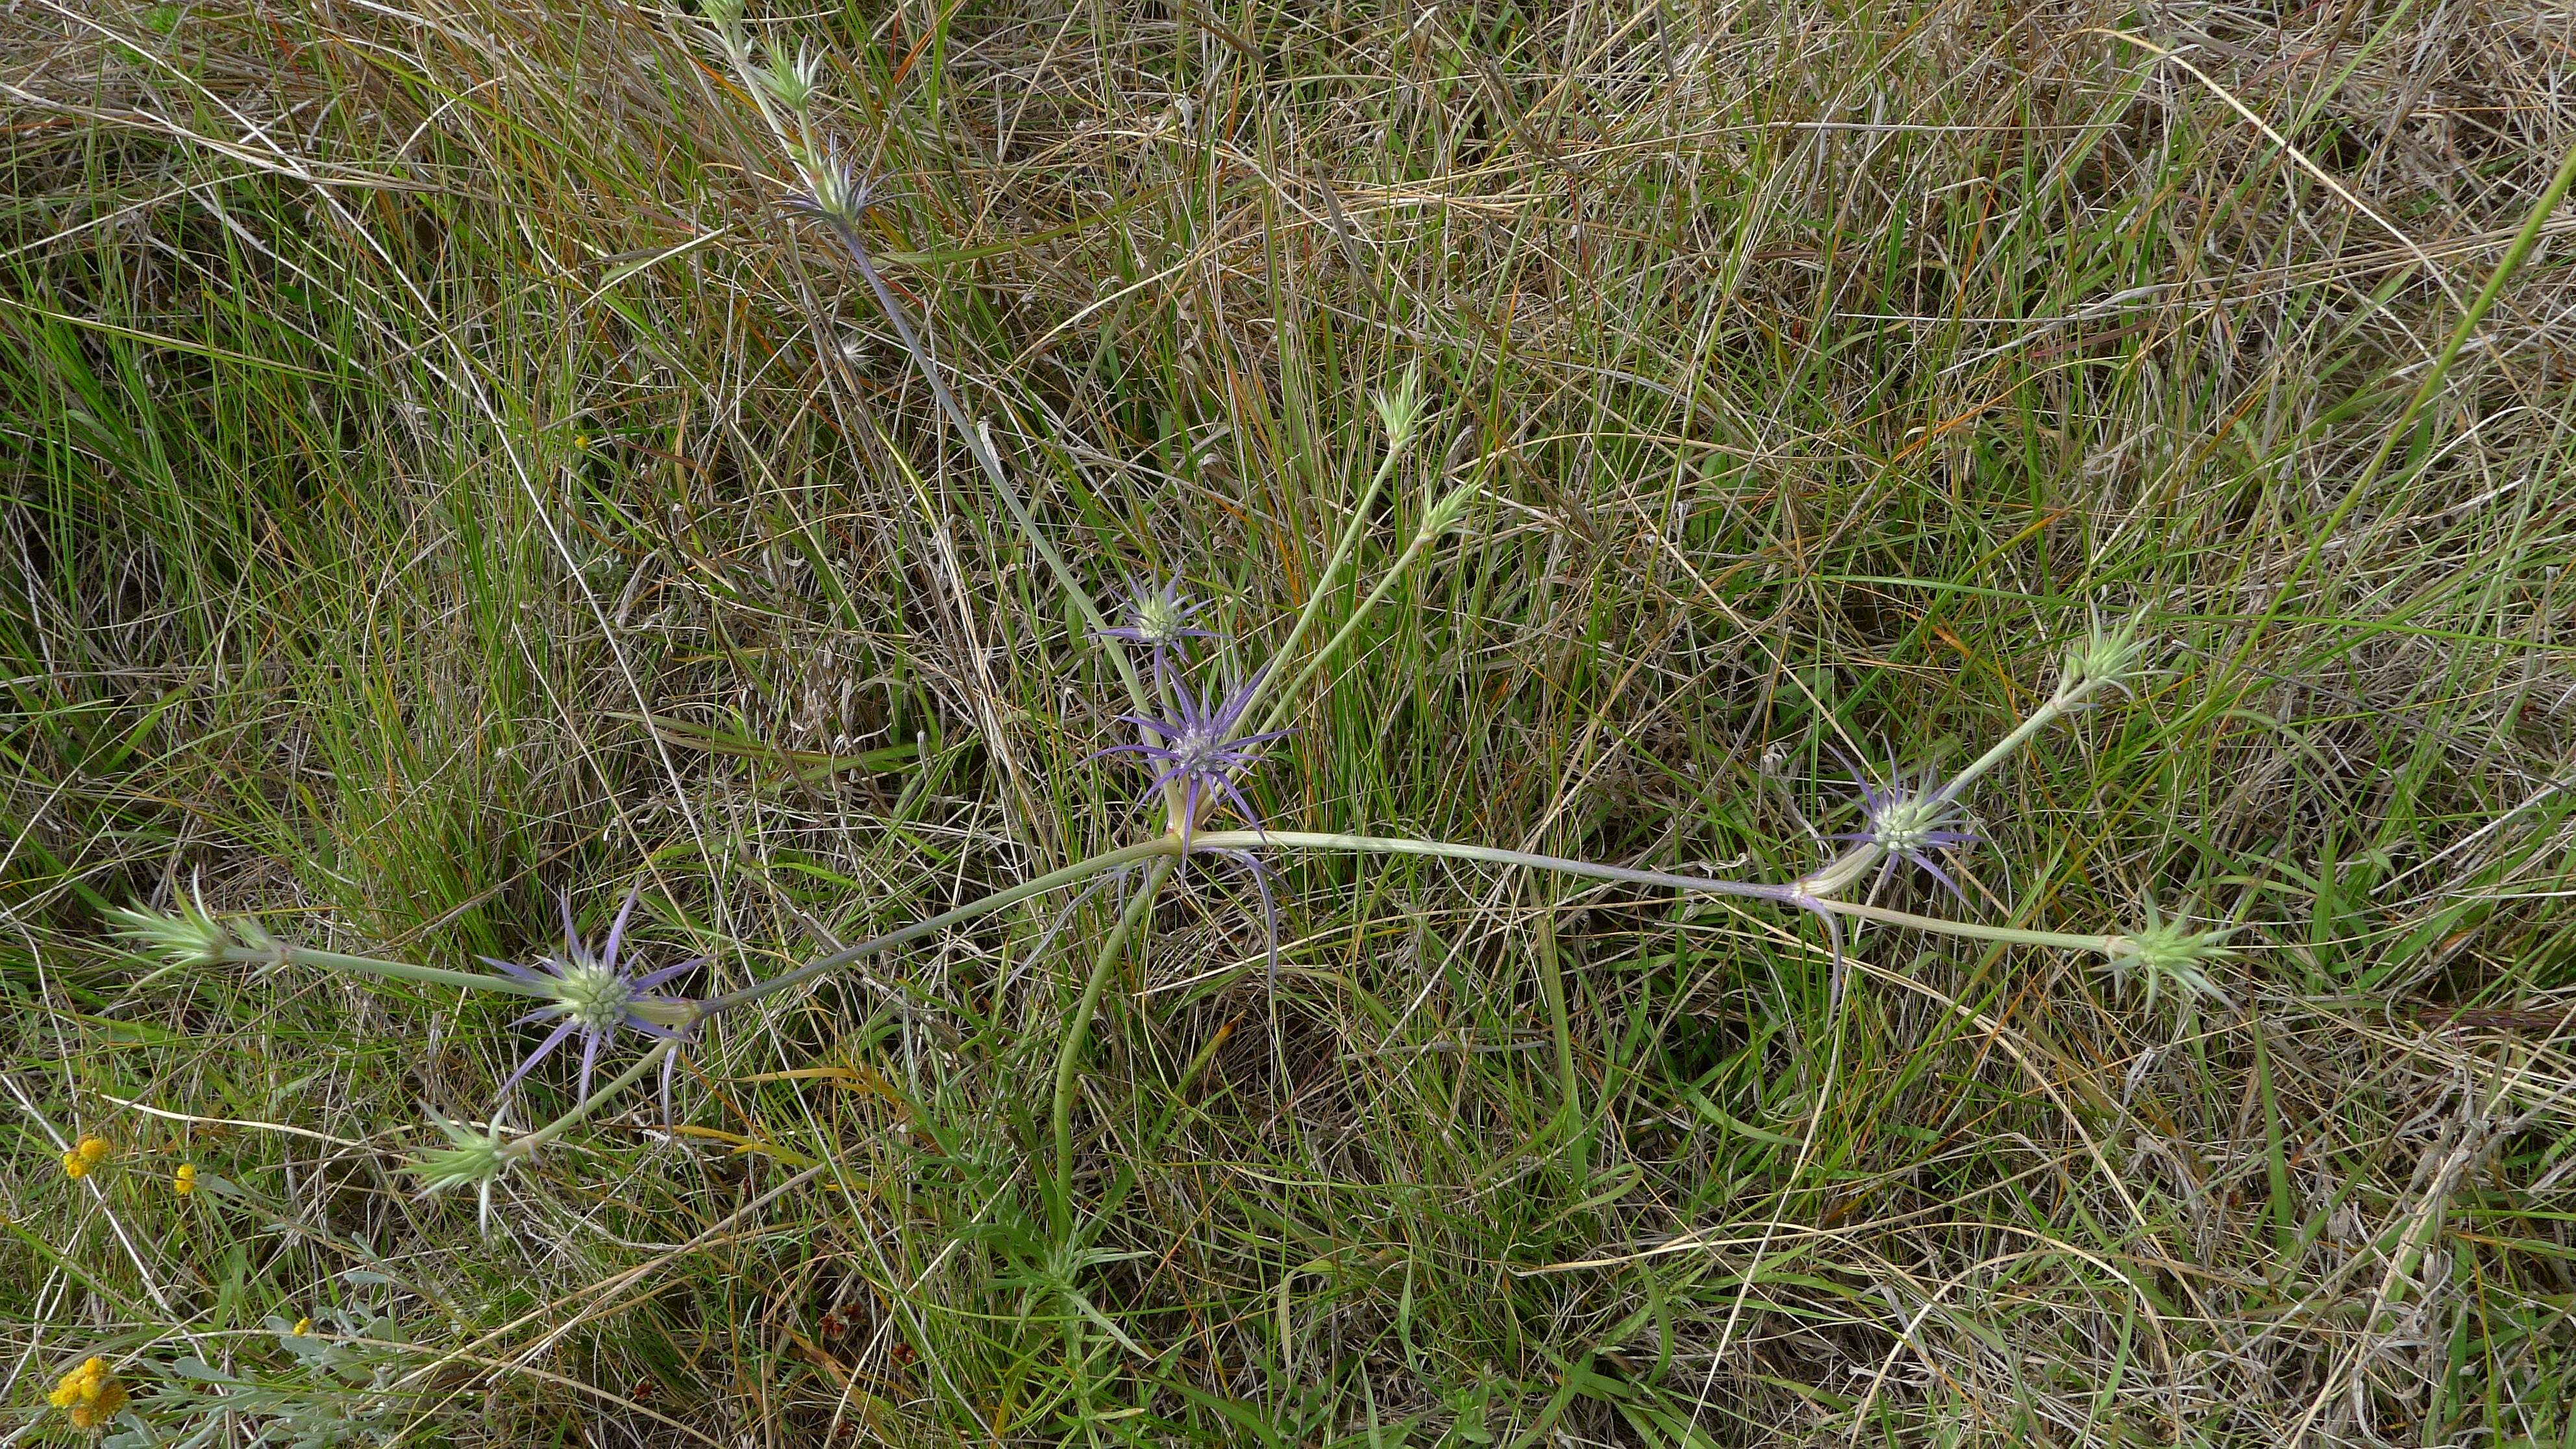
{"x": 1489, "y": 855}
{"x": 2040, "y": 719}
{"x": 1843, "y": 870}
{"x": 1395, "y": 446}
{"x": 1788, "y": 895}
{"x": 397, "y": 970}
{"x": 976, "y": 443}
{"x": 527, "y": 1145}
{"x": 1288, "y": 699}
{"x": 1077, "y": 1030}
{"x": 2014, "y": 935}
{"x": 992, "y": 462}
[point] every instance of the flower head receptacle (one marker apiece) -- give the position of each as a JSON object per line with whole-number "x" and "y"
{"x": 593, "y": 997}
{"x": 187, "y": 936}
{"x": 835, "y": 189}
{"x": 89, "y": 1395}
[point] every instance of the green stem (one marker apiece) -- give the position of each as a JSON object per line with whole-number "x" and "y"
{"x": 1288, "y": 698}
{"x": 527, "y": 1145}
{"x": 1077, "y": 1031}
{"x": 976, "y": 444}
{"x": 1448, "y": 850}
{"x": 737, "y": 49}
{"x": 2015, "y": 935}
{"x": 1787, "y": 895}
{"x": 1839, "y": 873}
{"x": 397, "y": 970}
{"x": 1342, "y": 550}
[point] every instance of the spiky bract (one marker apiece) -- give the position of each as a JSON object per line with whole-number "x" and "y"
{"x": 593, "y": 997}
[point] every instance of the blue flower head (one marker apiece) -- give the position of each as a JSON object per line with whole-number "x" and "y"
{"x": 1909, "y": 824}
{"x": 1196, "y": 750}
{"x": 1158, "y": 618}
{"x": 593, "y": 998}
{"x": 1197, "y": 753}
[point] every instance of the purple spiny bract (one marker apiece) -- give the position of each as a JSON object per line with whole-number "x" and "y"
{"x": 1195, "y": 750}
{"x": 1158, "y": 618}
{"x": 836, "y": 191}
{"x": 1910, "y": 824}
{"x": 594, "y": 998}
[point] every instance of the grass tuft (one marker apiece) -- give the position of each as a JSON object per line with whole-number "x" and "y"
{"x": 440, "y": 479}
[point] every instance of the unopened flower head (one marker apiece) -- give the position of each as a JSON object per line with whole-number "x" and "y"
{"x": 472, "y": 1158}
{"x": 188, "y": 936}
{"x": 1196, "y": 752}
{"x": 1443, "y": 515}
{"x": 1158, "y": 617}
{"x": 89, "y": 1395}
{"x": 2108, "y": 655}
{"x": 792, "y": 83}
{"x": 1909, "y": 824}
{"x": 2167, "y": 955}
{"x": 593, "y": 997}
{"x": 835, "y": 190}
{"x": 1399, "y": 409}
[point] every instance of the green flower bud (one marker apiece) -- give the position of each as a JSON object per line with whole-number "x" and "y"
{"x": 2165, "y": 954}
{"x": 189, "y": 936}
{"x": 2107, "y": 656}
{"x": 792, "y": 83}
{"x": 472, "y": 1158}
{"x": 1400, "y": 409}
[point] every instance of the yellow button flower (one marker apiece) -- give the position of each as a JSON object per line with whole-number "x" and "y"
{"x": 89, "y": 1395}
{"x": 75, "y": 1165}
{"x": 94, "y": 1150}
{"x": 303, "y": 1326}
{"x": 186, "y": 1182}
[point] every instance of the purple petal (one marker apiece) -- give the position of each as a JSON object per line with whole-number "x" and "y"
{"x": 648, "y": 982}
{"x": 549, "y": 1044}
{"x": 1242, "y": 806}
{"x": 1269, "y": 908}
{"x": 617, "y": 929}
{"x": 590, "y": 1041}
{"x": 1943, "y": 876}
{"x": 511, "y": 967}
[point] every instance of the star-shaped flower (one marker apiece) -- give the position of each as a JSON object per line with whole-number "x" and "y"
{"x": 593, "y": 998}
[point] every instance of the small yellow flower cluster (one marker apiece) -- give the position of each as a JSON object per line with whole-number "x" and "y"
{"x": 186, "y": 1182}
{"x": 91, "y": 1152}
{"x": 90, "y": 1395}
{"x": 303, "y": 1326}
